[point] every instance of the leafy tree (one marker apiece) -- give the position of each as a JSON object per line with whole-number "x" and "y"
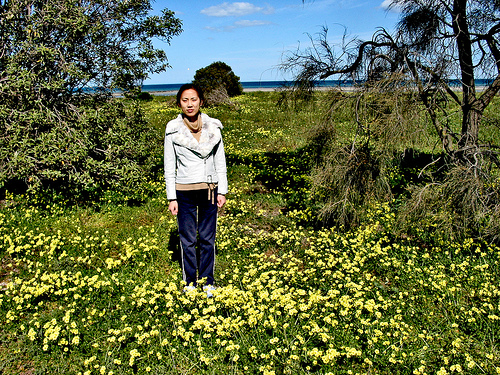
{"x": 435, "y": 43}
{"x": 56, "y": 133}
{"x": 216, "y": 77}
{"x": 63, "y": 46}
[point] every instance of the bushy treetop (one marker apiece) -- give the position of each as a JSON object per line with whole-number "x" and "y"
{"x": 216, "y": 76}
{"x": 62, "y": 46}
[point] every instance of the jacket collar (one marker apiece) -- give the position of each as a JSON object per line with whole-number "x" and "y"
{"x": 209, "y": 138}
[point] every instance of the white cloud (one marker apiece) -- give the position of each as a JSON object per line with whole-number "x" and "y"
{"x": 248, "y": 23}
{"x": 391, "y": 5}
{"x": 215, "y": 29}
{"x": 239, "y": 25}
{"x": 235, "y": 9}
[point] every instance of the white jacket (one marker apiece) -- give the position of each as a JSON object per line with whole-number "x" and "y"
{"x": 187, "y": 161}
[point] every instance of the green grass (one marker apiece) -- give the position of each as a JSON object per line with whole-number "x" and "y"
{"x": 97, "y": 290}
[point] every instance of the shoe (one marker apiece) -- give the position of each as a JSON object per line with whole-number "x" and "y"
{"x": 189, "y": 288}
{"x": 209, "y": 290}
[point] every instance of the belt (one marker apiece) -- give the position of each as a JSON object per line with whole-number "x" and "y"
{"x": 199, "y": 186}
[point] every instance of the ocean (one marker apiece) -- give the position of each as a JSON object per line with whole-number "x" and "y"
{"x": 172, "y": 88}
{"x": 255, "y": 85}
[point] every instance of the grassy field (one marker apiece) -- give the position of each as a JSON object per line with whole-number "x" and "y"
{"x": 97, "y": 290}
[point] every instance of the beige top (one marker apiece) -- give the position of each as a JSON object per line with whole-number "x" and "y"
{"x": 199, "y": 186}
{"x": 194, "y": 127}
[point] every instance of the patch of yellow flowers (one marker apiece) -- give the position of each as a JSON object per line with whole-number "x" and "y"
{"x": 289, "y": 301}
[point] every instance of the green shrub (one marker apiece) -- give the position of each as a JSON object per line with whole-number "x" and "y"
{"x": 462, "y": 204}
{"x": 79, "y": 152}
{"x": 220, "y": 79}
{"x": 55, "y": 136}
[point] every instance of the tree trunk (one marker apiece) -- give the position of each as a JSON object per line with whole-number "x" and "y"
{"x": 471, "y": 115}
{"x": 470, "y": 127}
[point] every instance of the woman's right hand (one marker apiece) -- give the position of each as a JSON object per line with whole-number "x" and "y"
{"x": 173, "y": 207}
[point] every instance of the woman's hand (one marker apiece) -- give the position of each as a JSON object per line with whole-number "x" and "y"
{"x": 173, "y": 207}
{"x": 221, "y": 200}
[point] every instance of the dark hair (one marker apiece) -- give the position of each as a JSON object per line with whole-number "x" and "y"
{"x": 189, "y": 86}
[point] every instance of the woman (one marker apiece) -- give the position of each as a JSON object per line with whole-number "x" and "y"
{"x": 196, "y": 179}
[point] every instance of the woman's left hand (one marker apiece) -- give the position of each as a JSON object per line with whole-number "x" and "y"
{"x": 221, "y": 200}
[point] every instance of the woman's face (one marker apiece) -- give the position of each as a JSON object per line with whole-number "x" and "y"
{"x": 190, "y": 103}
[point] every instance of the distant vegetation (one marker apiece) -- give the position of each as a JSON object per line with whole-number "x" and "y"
{"x": 218, "y": 82}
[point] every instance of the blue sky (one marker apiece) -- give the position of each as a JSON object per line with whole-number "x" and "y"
{"x": 252, "y": 36}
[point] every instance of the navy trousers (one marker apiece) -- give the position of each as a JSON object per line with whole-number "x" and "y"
{"x": 197, "y": 221}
